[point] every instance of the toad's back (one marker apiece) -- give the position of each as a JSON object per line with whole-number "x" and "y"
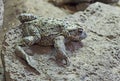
{"x": 46, "y": 26}
{"x": 50, "y": 26}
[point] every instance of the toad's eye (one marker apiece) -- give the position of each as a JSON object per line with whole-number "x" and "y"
{"x": 80, "y": 30}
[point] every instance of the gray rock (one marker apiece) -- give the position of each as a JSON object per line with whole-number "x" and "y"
{"x": 1, "y": 12}
{"x": 98, "y": 60}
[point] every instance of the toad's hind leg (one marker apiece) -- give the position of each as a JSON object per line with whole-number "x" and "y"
{"x": 61, "y": 56}
{"x": 34, "y": 37}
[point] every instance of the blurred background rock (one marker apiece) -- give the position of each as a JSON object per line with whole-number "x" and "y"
{"x": 78, "y": 5}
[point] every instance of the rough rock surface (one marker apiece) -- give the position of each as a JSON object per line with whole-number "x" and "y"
{"x": 98, "y": 60}
{"x": 1, "y": 13}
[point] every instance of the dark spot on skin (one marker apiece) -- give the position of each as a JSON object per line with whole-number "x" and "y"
{"x": 74, "y": 69}
{"x": 59, "y": 72}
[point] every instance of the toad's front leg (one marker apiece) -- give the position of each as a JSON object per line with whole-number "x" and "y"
{"x": 61, "y": 56}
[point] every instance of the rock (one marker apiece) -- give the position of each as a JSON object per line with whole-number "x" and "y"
{"x": 61, "y": 2}
{"x": 1, "y": 13}
{"x": 73, "y": 6}
{"x": 102, "y": 45}
{"x": 98, "y": 60}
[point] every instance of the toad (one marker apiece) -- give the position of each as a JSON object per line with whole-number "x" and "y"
{"x": 49, "y": 31}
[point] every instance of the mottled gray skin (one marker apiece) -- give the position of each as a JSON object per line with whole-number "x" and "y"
{"x": 50, "y": 31}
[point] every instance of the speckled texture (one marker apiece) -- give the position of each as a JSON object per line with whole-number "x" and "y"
{"x": 98, "y": 60}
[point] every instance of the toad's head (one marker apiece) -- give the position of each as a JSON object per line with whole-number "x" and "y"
{"x": 77, "y": 34}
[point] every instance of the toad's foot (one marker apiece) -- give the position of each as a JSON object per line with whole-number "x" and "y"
{"x": 62, "y": 60}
